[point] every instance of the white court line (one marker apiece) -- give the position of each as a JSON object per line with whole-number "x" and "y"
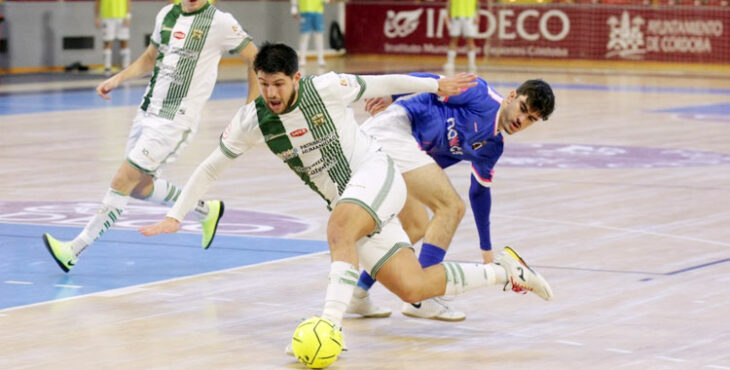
{"x": 218, "y": 299}
{"x": 673, "y": 359}
{"x": 569, "y": 343}
{"x": 68, "y": 286}
{"x": 714, "y": 242}
{"x": 718, "y": 367}
{"x": 18, "y": 282}
{"x": 180, "y": 278}
{"x": 618, "y": 350}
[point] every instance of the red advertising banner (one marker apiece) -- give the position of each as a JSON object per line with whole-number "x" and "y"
{"x": 677, "y": 34}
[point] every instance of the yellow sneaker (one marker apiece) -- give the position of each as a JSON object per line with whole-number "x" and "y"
{"x": 61, "y": 252}
{"x": 210, "y": 223}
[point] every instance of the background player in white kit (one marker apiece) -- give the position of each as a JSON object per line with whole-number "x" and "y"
{"x": 185, "y": 48}
{"x": 308, "y": 124}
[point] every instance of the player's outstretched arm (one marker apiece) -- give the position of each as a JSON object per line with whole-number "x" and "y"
{"x": 248, "y": 54}
{"x": 203, "y": 176}
{"x": 143, "y": 65}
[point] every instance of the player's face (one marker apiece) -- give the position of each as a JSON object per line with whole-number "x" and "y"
{"x": 278, "y": 90}
{"x": 516, "y": 115}
{"x": 190, "y": 6}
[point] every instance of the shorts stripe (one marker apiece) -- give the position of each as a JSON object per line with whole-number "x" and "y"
{"x": 387, "y": 256}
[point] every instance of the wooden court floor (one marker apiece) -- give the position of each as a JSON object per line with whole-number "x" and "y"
{"x": 621, "y": 200}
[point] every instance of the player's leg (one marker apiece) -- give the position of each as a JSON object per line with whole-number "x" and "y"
{"x": 402, "y": 274}
{"x": 454, "y": 33}
{"x": 123, "y": 37}
{"x": 305, "y": 29}
{"x": 469, "y": 34}
{"x": 414, "y": 218}
{"x": 108, "y": 33}
{"x": 318, "y": 38}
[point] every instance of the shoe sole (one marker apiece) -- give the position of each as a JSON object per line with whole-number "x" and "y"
{"x": 50, "y": 250}
{"x": 377, "y": 315}
{"x": 215, "y": 228}
{"x": 433, "y": 318}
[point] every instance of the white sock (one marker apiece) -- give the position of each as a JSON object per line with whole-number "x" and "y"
{"x": 166, "y": 193}
{"x": 472, "y": 54}
{"x": 450, "y": 56}
{"x": 319, "y": 44}
{"x": 109, "y": 211}
{"x": 125, "y": 57}
{"x": 342, "y": 280}
{"x": 107, "y": 58}
{"x": 462, "y": 277}
{"x": 303, "y": 42}
{"x": 359, "y": 292}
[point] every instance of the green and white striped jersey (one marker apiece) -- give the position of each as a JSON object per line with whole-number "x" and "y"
{"x": 318, "y": 137}
{"x": 190, "y": 47}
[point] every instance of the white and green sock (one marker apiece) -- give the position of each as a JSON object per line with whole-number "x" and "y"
{"x": 462, "y": 277}
{"x": 109, "y": 211}
{"x": 166, "y": 193}
{"x": 342, "y": 280}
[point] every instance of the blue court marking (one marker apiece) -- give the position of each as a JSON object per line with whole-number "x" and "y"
{"x": 705, "y": 109}
{"x": 131, "y": 95}
{"x": 123, "y": 258}
{"x": 86, "y": 98}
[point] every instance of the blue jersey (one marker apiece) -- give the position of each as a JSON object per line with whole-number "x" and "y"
{"x": 462, "y": 128}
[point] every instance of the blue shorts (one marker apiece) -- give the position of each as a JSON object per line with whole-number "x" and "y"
{"x": 311, "y": 22}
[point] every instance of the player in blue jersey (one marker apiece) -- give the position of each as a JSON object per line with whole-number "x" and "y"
{"x": 424, "y": 134}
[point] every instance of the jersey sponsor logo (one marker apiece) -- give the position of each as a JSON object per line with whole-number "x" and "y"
{"x": 453, "y": 137}
{"x": 299, "y": 132}
{"x": 179, "y": 35}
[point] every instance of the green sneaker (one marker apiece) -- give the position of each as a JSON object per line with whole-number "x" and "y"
{"x": 210, "y": 223}
{"x": 61, "y": 252}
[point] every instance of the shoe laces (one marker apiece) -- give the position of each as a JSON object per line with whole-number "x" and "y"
{"x": 518, "y": 288}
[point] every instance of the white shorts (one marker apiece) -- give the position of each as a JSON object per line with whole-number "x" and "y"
{"x": 392, "y": 129}
{"x": 464, "y": 27}
{"x": 154, "y": 141}
{"x": 374, "y": 251}
{"x": 114, "y": 29}
{"x": 378, "y": 187}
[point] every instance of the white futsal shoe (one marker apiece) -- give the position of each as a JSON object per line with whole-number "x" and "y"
{"x": 520, "y": 277}
{"x": 366, "y": 308}
{"x": 434, "y": 309}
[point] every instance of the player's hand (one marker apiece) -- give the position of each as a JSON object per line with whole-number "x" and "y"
{"x": 454, "y": 85}
{"x": 107, "y": 86}
{"x": 97, "y": 23}
{"x": 127, "y": 22}
{"x": 377, "y": 105}
{"x": 488, "y": 256}
{"x": 167, "y": 226}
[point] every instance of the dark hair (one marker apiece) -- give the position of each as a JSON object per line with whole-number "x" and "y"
{"x": 539, "y": 97}
{"x": 275, "y": 58}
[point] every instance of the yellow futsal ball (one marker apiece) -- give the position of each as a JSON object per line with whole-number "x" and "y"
{"x": 316, "y": 342}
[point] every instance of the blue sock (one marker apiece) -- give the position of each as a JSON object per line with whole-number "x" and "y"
{"x": 366, "y": 282}
{"x": 431, "y": 255}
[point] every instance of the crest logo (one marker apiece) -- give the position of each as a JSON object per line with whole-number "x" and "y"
{"x": 318, "y": 119}
{"x": 401, "y": 24}
{"x": 197, "y": 34}
{"x": 626, "y": 38}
